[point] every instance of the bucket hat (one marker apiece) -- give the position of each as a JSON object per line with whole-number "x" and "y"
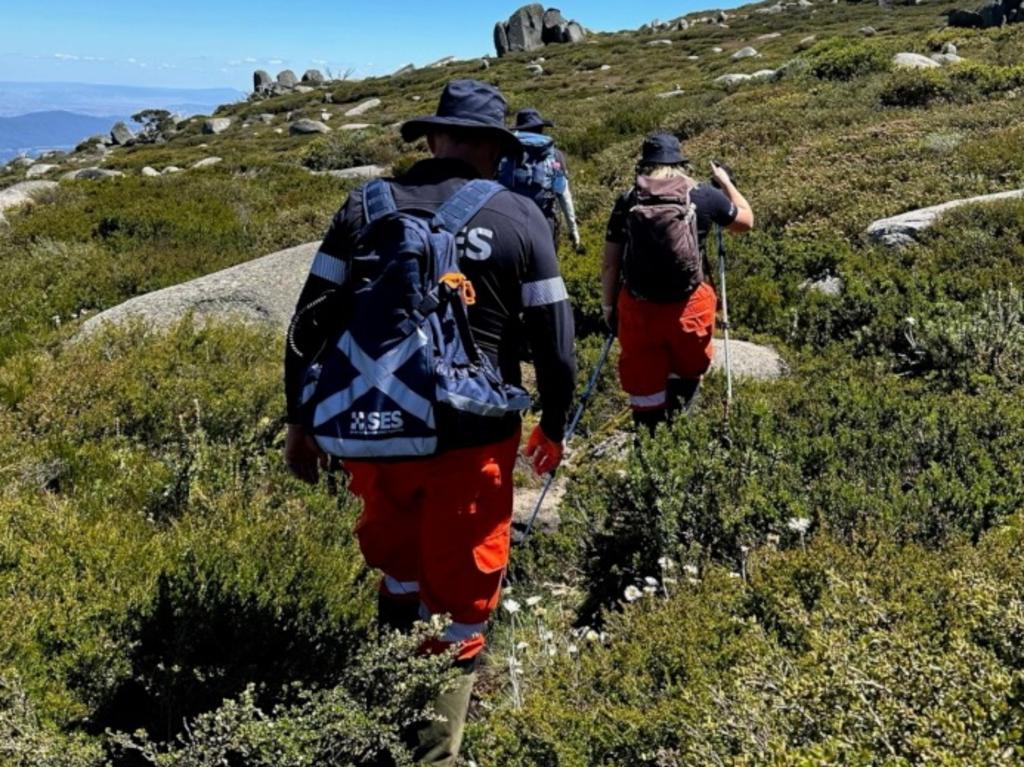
{"x": 662, "y": 149}
{"x": 530, "y": 119}
{"x": 467, "y": 104}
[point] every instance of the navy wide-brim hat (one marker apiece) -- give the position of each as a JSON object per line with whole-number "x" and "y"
{"x": 530, "y": 119}
{"x": 467, "y": 104}
{"x": 663, "y": 149}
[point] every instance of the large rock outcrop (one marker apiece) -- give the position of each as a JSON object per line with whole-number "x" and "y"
{"x": 264, "y": 290}
{"x": 904, "y": 228}
{"x": 532, "y": 27}
{"x": 989, "y": 16}
{"x": 25, "y": 193}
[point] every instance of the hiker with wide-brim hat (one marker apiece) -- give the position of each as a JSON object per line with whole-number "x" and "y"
{"x": 655, "y": 291}
{"x": 437, "y": 525}
{"x": 541, "y": 173}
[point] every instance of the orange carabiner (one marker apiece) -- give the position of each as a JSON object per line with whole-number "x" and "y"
{"x": 457, "y": 281}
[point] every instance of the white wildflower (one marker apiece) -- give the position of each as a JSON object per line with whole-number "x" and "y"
{"x": 735, "y": 575}
{"x": 533, "y": 601}
{"x": 546, "y": 635}
{"x": 799, "y": 525}
{"x": 593, "y": 636}
{"x": 773, "y": 539}
{"x": 522, "y": 646}
{"x": 910, "y": 321}
{"x": 651, "y": 581}
{"x": 666, "y": 564}
{"x": 512, "y": 606}
{"x": 632, "y": 593}
{"x": 650, "y": 590}
{"x": 572, "y": 649}
{"x": 691, "y": 570}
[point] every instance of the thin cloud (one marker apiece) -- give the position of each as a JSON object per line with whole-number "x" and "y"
{"x": 65, "y": 57}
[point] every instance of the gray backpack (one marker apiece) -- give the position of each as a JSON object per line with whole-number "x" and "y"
{"x": 663, "y": 262}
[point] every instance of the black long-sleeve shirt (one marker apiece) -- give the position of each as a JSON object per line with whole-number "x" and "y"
{"x": 507, "y": 253}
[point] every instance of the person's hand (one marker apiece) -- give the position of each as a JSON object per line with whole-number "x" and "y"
{"x": 544, "y": 453}
{"x": 577, "y": 243}
{"x": 303, "y": 456}
{"x": 611, "y": 318}
{"x": 721, "y": 176}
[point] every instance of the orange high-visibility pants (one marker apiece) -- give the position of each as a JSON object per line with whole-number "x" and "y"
{"x": 439, "y": 529}
{"x": 663, "y": 341}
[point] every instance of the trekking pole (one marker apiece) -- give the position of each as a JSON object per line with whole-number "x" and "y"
{"x": 584, "y": 399}
{"x": 725, "y": 322}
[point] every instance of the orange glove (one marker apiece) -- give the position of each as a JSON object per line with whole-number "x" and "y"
{"x": 545, "y": 453}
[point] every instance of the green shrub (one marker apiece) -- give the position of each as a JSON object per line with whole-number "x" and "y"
{"x": 917, "y": 88}
{"x": 349, "y": 149}
{"x": 838, "y": 59}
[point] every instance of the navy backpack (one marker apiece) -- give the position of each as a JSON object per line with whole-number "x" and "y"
{"x": 406, "y": 349}
{"x": 538, "y": 174}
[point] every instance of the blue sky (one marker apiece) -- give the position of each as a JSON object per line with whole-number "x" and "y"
{"x": 215, "y": 43}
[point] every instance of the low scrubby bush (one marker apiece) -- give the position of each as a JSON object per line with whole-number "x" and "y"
{"x": 838, "y": 59}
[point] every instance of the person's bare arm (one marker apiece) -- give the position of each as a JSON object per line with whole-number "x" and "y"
{"x": 745, "y": 215}
{"x": 610, "y": 279}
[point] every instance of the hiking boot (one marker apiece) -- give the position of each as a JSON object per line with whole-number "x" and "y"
{"x": 438, "y": 742}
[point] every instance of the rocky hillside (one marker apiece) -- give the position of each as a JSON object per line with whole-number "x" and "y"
{"x": 832, "y": 576}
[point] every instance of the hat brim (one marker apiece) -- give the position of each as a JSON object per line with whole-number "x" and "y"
{"x": 418, "y": 128}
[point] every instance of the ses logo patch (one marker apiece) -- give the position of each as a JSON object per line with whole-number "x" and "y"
{"x": 372, "y": 423}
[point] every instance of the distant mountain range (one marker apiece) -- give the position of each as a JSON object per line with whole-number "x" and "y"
{"x": 102, "y": 100}
{"x": 35, "y": 117}
{"x": 34, "y": 133}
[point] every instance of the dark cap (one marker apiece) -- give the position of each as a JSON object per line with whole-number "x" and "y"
{"x": 662, "y": 149}
{"x": 467, "y": 104}
{"x": 530, "y": 119}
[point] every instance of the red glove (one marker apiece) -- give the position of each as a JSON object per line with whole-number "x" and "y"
{"x": 545, "y": 453}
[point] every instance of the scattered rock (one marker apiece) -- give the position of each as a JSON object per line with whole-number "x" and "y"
{"x": 660, "y": 42}
{"x": 23, "y": 162}
{"x": 806, "y": 43}
{"x": 149, "y": 172}
{"x": 216, "y": 125}
{"x": 717, "y": 49}
{"x": 262, "y": 291}
{"x": 904, "y": 228}
{"x": 761, "y": 363}
{"x": 605, "y": 67}
{"x": 39, "y": 169}
{"x": 354, "y": 126}
{"x": 361, "y": 172}
{"x": 535, "y": 69}
{"x": 207, "y": 162}
{"x": 266, "y": 118}
{"x": 868, "y": 31}
{"x": 770, "y": 36}
{"x": 949, "y": 49}
{"x": 745, "y": 53}
{"x": 730, "y": 81}
{"x": 671, "y": 94}
{"x": 287, "y": 79}
{"x": 440, "y": 63}
{"x": 95, "y": 174}
{"x": 485, "y": 64}
{"x": 826, "y": 286}
{"x": 771, "y": 10}
{"x": 408, "y": 68}
{"x": 313, "y": 77}
{"x": 764, "y": 75}
{"x": 945, "y": 58}
{"x": 304, "y": 89}
{"x": 913, "y": 61}
{"x": 170, "y": 169}
{"x": 121, "y": 134}
{"x": 306, "y": 127}
{"x": 363, "y": 108}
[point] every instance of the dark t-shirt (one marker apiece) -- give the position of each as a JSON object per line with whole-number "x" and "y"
{"x": 507, "y": 253}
